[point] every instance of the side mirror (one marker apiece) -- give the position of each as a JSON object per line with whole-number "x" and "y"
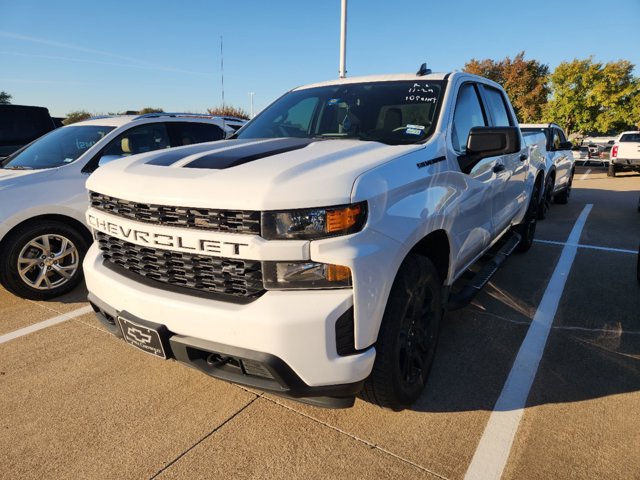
{"x": 108, "y": 158}
{"x": 492, "y": 141}
{"x": 565, "y": 146}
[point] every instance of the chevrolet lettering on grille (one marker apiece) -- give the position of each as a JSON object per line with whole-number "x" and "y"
{"x": 191, "y": 242}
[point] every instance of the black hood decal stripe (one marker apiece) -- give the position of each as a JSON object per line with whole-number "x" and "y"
{"x": 248, "y": 153}
{"x": 165, "y": 159}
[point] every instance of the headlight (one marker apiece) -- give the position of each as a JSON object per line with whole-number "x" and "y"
{"x": 314, "y": 223}
{"x": 304, "y": 275}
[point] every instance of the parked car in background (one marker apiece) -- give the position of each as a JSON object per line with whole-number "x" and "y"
{"x": 20, "y": 125}
{"x": 560, "y": 165}
{"x": 43, "y": 237}
{"x": 625, "y": 153}
{"x": 580, "y": 153}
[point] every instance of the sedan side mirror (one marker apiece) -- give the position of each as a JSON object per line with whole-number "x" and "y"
{"x": 565, "y": 146}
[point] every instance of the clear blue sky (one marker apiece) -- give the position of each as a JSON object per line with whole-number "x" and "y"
{"x": 117, "y": 55}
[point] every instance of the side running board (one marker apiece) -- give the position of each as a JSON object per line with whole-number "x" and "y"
{"x": 464, "y": 297}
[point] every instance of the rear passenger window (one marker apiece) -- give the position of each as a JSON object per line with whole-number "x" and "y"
{"x": 188, "y": 133}
{"x": 496, "y": 106}
{"x": 468, "y": 114}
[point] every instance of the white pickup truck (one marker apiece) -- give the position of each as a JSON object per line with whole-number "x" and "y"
{"x": 625, "y": 153}
{"x": 315, "y": 254}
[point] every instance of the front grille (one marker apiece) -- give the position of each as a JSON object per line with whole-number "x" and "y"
{"x": 215, "y": 275}
{"x": 230, "y": 221}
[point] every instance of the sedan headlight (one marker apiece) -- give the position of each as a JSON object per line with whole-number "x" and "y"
{"x": 314, "y": 223}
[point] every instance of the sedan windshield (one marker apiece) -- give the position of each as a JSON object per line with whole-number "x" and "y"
{"x": 399, "y": 112}
{"x": 60, "y": 147}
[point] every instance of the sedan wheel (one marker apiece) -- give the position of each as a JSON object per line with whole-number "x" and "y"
{"x": 43, "y": 260}
{"x": 48, "y": 261}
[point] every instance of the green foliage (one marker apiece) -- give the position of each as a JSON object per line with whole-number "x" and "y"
{"x": 228, "y": 111}
{"x": 146, "y": 110}
{"x": 5, "y": 98}
{"x": 77, "y": 116}
{"x": 591, "y": 97}
{"x": 525, "y": 82}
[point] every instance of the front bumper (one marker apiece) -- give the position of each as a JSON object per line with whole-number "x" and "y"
{"x": 292, "y": 332}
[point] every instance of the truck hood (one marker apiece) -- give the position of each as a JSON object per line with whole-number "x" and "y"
{"x": 264, "y": 174}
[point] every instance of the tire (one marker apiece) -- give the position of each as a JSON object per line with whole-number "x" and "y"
{"x": 611, "y": 171}
{"x": 408, "y": 336}
{"x": 638, "y": 266}
{"x": 546, "y": 198}
{"x": 563, "y": 196}
{"x": 48, "y": 251}
{"x": 527, "y": 229}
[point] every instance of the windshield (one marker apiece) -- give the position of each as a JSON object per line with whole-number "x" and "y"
{"x": 60, "y": 147}
{"x": 399, "y": 112}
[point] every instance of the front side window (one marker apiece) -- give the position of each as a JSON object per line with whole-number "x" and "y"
{"x": 495, "y": 104}
{"x": 400, "y": 112}
{"x": 140, "y": 139}
{"x": 60, "y": 147}
{"x": 555, "y": 139}
{"x": 468, "y": 114}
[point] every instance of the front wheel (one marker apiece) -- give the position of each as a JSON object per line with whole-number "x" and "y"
{"x": 563, "y": 197}
{"x": 43, "y": 260}
{"x": 546, "y": 199}
{"x": 527, "y": 229}
{"x": 408, "y": 336}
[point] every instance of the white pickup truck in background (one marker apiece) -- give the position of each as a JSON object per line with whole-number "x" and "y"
{"x": 315, "y": 254}
{"x": 560, "y": 164}
{"x": 625, "y": 153}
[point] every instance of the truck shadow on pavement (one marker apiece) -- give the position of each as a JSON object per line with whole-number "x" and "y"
{"x": 593, "y": 348}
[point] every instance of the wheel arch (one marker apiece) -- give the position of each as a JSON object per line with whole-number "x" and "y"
{"x": 437, "y": 248}
{"x": 69, "y": 221}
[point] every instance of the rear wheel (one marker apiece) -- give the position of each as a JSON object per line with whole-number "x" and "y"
{"x": 408, "y": 336}
{"x": 42, "y": 260}
{"x": 611, "y": 172}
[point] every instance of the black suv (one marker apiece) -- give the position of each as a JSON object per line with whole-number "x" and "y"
{"x": 20, "y": 125}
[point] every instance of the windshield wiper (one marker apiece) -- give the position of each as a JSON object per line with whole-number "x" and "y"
{"x": 17, "y": 167}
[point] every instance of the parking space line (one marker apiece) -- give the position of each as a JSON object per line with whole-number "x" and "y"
{"x": 494, "y": 448}
{"x": 586, "y": 174}
{"x": 593, "y": 247}
{"x": 44, "y": 324}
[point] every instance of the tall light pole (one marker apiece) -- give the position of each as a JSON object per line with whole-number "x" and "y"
{"x": 222, "y": 70}
{"x": 251, "y": 94}
{"x": 343, "y": 40}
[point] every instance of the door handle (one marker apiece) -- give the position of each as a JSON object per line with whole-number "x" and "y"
{"x": 498, "y": 168}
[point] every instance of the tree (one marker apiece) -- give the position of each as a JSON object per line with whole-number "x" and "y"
{"x": 146, "y": 110}
{"x": 590, "y": 97}
{"x": 525, "y": 82}
{"x": 5, "y": 98}
{"x": 228, "y": 111}
{"x": 76, "y": 116}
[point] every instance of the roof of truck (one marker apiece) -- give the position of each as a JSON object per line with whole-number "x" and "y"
{"x": 377, "y": 78}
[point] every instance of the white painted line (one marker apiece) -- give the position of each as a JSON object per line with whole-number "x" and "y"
{"x": 493, "y": 450}
{"x": 586, "y": 174}
{"x": 593, "y": 247}
{"x": 46, "y": 323}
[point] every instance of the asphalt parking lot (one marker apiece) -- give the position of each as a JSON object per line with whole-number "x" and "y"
{"x": 79, "y": 403}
